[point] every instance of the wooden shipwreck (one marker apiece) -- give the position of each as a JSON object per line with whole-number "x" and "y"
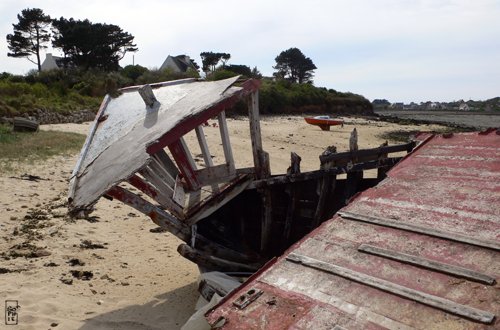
{"x": 418, "y": 251}
{"x": 231, "y": 219}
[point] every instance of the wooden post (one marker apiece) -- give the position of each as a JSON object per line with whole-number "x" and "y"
{"x": 226, "y": 144}
{"x": 262, "y": 168}
{"x": 326, "y": 186}
{"x": 185, "y": 163}
{"x": 204, "y": 146}
{"x": 291, "y": 189}
{"x": 354, "y": 177}
{"x": 381, "y": 171}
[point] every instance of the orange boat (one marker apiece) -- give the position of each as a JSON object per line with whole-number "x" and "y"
{"x": 324, "y": 122}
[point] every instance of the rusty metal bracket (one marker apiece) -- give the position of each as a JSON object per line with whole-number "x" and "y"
{"x": 247, "y": 298}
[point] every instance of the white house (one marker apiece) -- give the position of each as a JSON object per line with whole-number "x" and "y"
{"x": 51, "y": 62}
{"x": 463, "y": 107}
{"x": 179, "y": 63}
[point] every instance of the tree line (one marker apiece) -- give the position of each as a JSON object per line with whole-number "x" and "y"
{"x": 83, "y": 43}
{"x": 88, "y": 45}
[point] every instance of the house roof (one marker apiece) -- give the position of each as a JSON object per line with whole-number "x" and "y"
{"x": 419, "y": 250}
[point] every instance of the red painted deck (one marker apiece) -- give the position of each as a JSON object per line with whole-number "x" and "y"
{"x": 439, "y": 206}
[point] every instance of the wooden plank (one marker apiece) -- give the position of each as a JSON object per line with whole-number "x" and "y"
{"x": 427, "y": 263}
{"x": 421, "y": 230}
{"x": 262, "y": 170}
{"x": 382, "y": 171}
{"x": 167, "y": 163}
{"x": 368, "y": 152}
{"x": 151, "y": 176}
{"x": 179, "y": 195}
{"x": 191, "y": 122}
{"x": 200, "y": 135}
{"x": 399, "y": 290}
{"x": 214, "y": 263}
{"x": 293, "y": 192}
{"x": 326, "y": 186}
{"x": 266, "y": 220}
{"x": 216, "y": 201}
{"x": 159, "y": 196}
{"x": 226, "y": 144}
{"x": 86, "y": 145}
{"x": 162, "y": 172}
{"x": 189, "y": 156}
{"x": 159, "y": 216}
{"x": 215, "y": 174}
{"x": 282, "y": 179}
{"x": 184, "y": 163}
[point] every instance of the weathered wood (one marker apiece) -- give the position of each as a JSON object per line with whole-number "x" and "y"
{"x": 191, "y": 122}
{"x": 156, "y": 180}
{"x": 427, "y": 263}
{"x": 368, "y": 152}
{"x": 179, "y": 195}
{"x": 213, "y": 263}
{"x": 421, "y": 230}
{"x": 200, "y": 135}
{"x": 21, "y": 124}
{"x": 220, "y": 251}
{"x": 163, "y": 199}
{"x": 184, "y": 163}
{"x": 86, "y": 146}
{"x": 215, "y": 174}
{"x": 188, "y": 153}
{"x": 294, "y": 197}
{"x": 326, "y": 185}
{"x": 159, "y": 216}
{"x": 382, "y": 171}
{"x": 146, "y": 92}
{"x": 399, "y": 290}
{"x": 162, "y": 157}
{"x": 216, "y": 201}
{"x": 262, "y": 168}
{"x": 282, "y": 179}
{"x": 266, "y": 220}
{"x": 162, "y": 172}
{"x": 226, "y": 144}
{"x": 160, "y": 84}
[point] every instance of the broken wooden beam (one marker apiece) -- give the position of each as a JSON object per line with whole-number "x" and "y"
{"x": 368, "y": 152}
{"x": 214, "y": 263}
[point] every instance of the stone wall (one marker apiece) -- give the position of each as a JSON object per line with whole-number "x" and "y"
{"x": 47, "y": 117}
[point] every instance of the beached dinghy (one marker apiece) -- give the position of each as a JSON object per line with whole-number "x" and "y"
{"x": 231, "y": 219}
{"x": 324, "y": 122}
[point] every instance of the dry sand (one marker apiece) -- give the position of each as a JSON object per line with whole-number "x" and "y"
{"x": 138, "y": 280}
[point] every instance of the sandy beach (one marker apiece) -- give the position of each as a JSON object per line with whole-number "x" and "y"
{"x": 111, "y": 271}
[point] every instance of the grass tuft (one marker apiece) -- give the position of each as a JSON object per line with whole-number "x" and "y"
{"x": 28, "y": 148}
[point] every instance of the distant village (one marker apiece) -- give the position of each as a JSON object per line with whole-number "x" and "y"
{"x": 461, "y": 105}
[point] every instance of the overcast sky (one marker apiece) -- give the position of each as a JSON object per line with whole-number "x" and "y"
{"x": 400, "y": 50}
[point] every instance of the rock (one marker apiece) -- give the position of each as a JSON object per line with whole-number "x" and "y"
{"x": 67, "y": 281}
{"x": 75, "y": 262}
{"x": 84, "y": 275}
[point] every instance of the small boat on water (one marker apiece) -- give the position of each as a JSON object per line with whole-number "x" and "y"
{"x": 324, "y": 122}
